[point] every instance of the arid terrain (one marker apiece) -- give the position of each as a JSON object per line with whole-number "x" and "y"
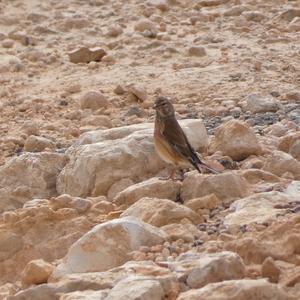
{"x": 83, "y": 212}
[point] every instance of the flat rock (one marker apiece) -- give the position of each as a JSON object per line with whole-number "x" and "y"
{"x": 86, "y": 55}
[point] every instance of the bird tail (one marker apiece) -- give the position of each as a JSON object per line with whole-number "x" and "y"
{"x": 196, "y": 162}
{"x": 209, "y": 168}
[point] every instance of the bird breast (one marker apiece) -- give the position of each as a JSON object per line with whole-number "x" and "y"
{"x": 165, "y": 150}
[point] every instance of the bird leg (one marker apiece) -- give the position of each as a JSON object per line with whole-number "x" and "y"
{"x": 181, "y": 175}
{"x": 172, "y": 175}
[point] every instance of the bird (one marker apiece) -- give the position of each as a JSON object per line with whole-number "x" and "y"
{"x": 170, "y": 141}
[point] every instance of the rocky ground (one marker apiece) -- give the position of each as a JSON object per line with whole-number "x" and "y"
{"x": 83, "y": 213}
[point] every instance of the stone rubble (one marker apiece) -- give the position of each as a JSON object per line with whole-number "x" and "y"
{"x": 83, "y": 213}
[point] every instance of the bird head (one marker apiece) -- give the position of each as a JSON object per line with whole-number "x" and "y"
{"x": 164, "y": 107}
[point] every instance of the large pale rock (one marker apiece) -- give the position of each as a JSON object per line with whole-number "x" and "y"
{"x": 155, "y": 188}
{"x": 279, "y": 162}
{"x": 258, "y": 104}
{"x": 108, "y": 245}
{"x": 201, "y": 269}
{"x": 160, "y": 212}
{"x": 137, "y": 288}
{"x": 257, "y": 208}
{"x": 101, "y": 158}
{"x": 227, "y": 186}
{"x": 235, "y": 139}
{"x": 29, "y": 176}
{"x": 244, "y": 289}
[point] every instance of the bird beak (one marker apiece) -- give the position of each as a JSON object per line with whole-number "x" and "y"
{"x": 155, "y": 106}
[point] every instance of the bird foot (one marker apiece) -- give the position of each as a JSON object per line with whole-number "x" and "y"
{"x": 173, "y": 177}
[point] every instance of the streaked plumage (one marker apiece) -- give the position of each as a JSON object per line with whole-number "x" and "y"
{"x": 170, "y": 140}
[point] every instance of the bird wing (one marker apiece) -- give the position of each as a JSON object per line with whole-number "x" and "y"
{"x": 176, "y": 137}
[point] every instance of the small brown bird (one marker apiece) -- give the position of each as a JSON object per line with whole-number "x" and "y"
{"x": 171, "y": 142}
